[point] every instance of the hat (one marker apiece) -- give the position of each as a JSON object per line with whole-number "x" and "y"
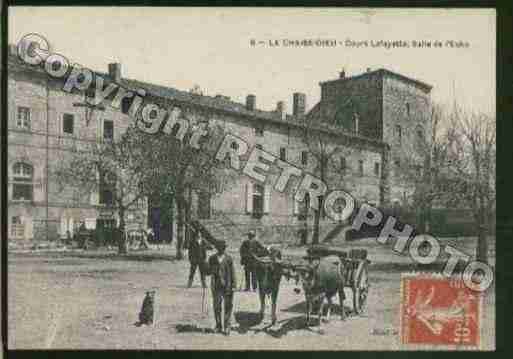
{"x": 251, "y": 233}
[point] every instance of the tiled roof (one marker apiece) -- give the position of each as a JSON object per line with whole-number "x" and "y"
{"x": 209, "y": 102}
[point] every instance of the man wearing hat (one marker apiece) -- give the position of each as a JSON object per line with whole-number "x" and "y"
{"x": 223, "y": 284}
{"x": 247, "y": 248}
{"x": 197, "y": 257}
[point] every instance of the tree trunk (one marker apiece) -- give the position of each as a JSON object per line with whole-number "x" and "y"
{"x": 320, "y": 210}
{"x": 122, "y": 245}
{"x": 482, "y": 245}
{"x": 180, "y": 228}
{"x": 482, "y": 242}
{"x": 317, "y": 225}
{"x": 187, "y": 213}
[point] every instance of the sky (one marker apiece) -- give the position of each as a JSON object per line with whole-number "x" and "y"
{"x": 210, "y": 47}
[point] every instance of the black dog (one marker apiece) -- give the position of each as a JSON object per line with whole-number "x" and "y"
{"x": 147, "y": 310}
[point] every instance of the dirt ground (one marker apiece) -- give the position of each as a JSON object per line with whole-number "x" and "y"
{"x": 91, "y": 300}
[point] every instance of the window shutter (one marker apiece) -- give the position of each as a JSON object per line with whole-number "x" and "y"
{"x": 249, "y": 197}
{"x": 296, "y": 206}
{"x": 71, "y": 226}
{"x": 64, "y": 226}
{"x": 99, "y": 129}
{"x": 29, "y": 227}
{"x": 90, "y": 223}
{"x": 267, "y": 198}
{"x": 95, "y": 195}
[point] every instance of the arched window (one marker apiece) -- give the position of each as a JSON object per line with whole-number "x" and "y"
{"x": 23, "y": 187}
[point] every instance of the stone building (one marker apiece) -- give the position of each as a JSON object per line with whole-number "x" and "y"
{"x": 371, "y": 117}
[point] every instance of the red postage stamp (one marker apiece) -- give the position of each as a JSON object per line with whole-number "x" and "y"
{"x": 439, "y": 311}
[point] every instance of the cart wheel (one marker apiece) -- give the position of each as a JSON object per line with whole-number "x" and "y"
{"x": 360, "y": 288}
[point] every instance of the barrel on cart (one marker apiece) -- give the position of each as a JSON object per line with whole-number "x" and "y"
{"x": 356, "y": 274}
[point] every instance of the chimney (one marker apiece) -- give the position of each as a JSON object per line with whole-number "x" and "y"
{"x": 250, "y": 102}
{"x": 342, "y": 74}
{"x": 13, "y": 49}
{"x": 115, "y": 71}
{"x": 280, "y": 109}
{"x": 299, "y": 104}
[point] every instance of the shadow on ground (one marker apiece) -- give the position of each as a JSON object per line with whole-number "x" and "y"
{"x": 247, "y": 320}
{"x": 192, "y": 328}
{"x": 289, "y": 325}
{"x": 136, "y": 256}
{"x": 250, "y": 321}
{"x": 336, "y": 310}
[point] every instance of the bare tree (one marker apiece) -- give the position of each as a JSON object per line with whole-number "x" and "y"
{"x": 174, "y": 164}
{"x": 424, "y": 165}
{"x": 329, "y": 160}
{"x": 473, "y": 156}
{"x": 107, "y": 170}
{"x": 455, "y": 168}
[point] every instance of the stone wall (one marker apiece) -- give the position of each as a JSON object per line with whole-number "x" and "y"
{"x": 37, "y": 147}
{"x": 361, "y": 94}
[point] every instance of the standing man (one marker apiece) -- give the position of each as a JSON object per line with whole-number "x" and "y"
{"x": 247, "y": 248}
{"x": 197, "y": 257}
{"x": 223, "y": 284}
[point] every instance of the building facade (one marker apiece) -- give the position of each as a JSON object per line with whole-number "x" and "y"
{"x": 371, "y": 118}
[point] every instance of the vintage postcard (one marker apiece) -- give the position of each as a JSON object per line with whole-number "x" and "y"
{"x": 251, "y": 178}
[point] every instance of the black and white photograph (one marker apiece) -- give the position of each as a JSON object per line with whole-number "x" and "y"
{"x": 193, "y": 178}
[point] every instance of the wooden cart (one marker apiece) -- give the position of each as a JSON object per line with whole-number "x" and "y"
{"x": 356, "y": 272}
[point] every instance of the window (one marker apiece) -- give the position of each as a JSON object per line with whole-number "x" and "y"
{"x": 376, "y": 169}
{"x": 304, "y": 158}
{"x": 17, "y": 227}
{"x": 283, "y": 154}
{"x": 23, "y": 187}
{"x": 108, "y": 130}
{"x": 234, "y": 145}
{"x": 356, "y": 120}
{"x": 258, "y": 200}
{"x": 407, "y": 108}
{"x": 259, "y": 130}
{"x": 360, "y": 167}
{"x": 67, "y": 123}
{"x": 348, "y": 119}
{"x": 259, "y": 146}
{"x": 418, "y": 170}
{"x": 23, "y": 118}
{"x": 397, "y": 163}
{"x": 204, "y": 205}
{"x": 420, "y": 136}
{"x": 320, "y": 203}
{"x": 107, "y": 185}
{"x": 398, "y": 133}
{"x": 303, "y": 214}
{"x": 343, "y": 163}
